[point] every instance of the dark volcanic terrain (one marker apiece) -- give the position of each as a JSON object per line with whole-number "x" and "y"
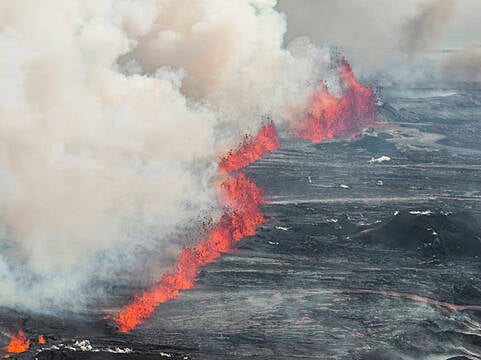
{"x": 370, "y": 242}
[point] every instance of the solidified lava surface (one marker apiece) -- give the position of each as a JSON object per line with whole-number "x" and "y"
{"x": 339, "y": 220}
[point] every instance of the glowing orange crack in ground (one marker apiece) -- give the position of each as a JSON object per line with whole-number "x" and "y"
{"x": 18, "y": 343}
{"x": 327, "y": 117}
{"x": 242, "y": 200}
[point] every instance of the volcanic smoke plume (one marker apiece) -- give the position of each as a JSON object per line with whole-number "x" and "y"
{"x": 113, "y": 119}
{"x": 113, "y": 116}
{"x": 422, "y": 32}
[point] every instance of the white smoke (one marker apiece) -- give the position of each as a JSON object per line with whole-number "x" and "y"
{"x": 112, "y": 116}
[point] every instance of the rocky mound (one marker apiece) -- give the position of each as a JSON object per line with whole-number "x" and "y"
{"x": 429, "y": 233}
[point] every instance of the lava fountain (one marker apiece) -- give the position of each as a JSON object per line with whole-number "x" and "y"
{"x": 328, "y": 116}
{"x": 18, "y": 343}
{"x": 252, "y": 149}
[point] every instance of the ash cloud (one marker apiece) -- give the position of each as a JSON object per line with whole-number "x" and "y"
{"x": 402, "y": 43}
{"x": 462, "y": 66}
{"x": 371, "y": 25}
{"x": 424, "y": 31}
{"x": 112, "y": 117}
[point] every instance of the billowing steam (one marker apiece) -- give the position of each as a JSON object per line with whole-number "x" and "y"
{"x": 112, "y": 117}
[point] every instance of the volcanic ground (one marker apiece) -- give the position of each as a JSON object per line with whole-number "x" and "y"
{"x": 371, "y": 244}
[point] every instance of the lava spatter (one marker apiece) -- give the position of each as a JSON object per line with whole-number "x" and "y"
{"x": 329, "y": 116}
{"x": 18, "y": 343}
{"x": 242, "y": 200}
{"x": 252, "y": 149}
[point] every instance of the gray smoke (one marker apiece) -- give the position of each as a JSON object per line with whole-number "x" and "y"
{"x": 424, "y": 31}
{"x": 385, "y": 40}
{"x": 462, "y": 66}
{"x": 113, "y": 116}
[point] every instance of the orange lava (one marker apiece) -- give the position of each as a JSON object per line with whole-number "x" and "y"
{"x": 41, "y": 340}
{"x": 18, "y": 343}
{"x": 252, "y": 149}
{"x": 242, "y": 200}
{"x": 329, "y": 117}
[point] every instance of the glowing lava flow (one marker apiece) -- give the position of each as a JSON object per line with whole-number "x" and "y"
{"x": 328, "y": 116}
{"x": 18, "y": 343}
{"x": 242, "y": 200}
{"x": 251, "y": 150}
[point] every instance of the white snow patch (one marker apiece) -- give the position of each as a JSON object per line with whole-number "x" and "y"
{"x": 418, "y": 212}
{"x": 85, "y": 346}
{"x": 282, "y": 228}
{"x": 379, "y": 159}
{"x": 82, "y": 345}
{"x": 120, "y": 350}
{"x": 344, "y": 186}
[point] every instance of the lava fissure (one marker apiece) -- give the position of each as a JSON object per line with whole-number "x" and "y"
{"x": 329, "y": 116}
{"x": 242, "y": 199}
{"x": 18, "y": 343}
{"x": 252, "y": 149}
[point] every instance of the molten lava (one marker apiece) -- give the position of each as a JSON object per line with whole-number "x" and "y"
{"x": 242, "y": 200}
{"x": 41, "y": 340}
{"x": 329, "y": 116}
{"x": 252, "y": 149}
{"x": 18, "y": 343}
